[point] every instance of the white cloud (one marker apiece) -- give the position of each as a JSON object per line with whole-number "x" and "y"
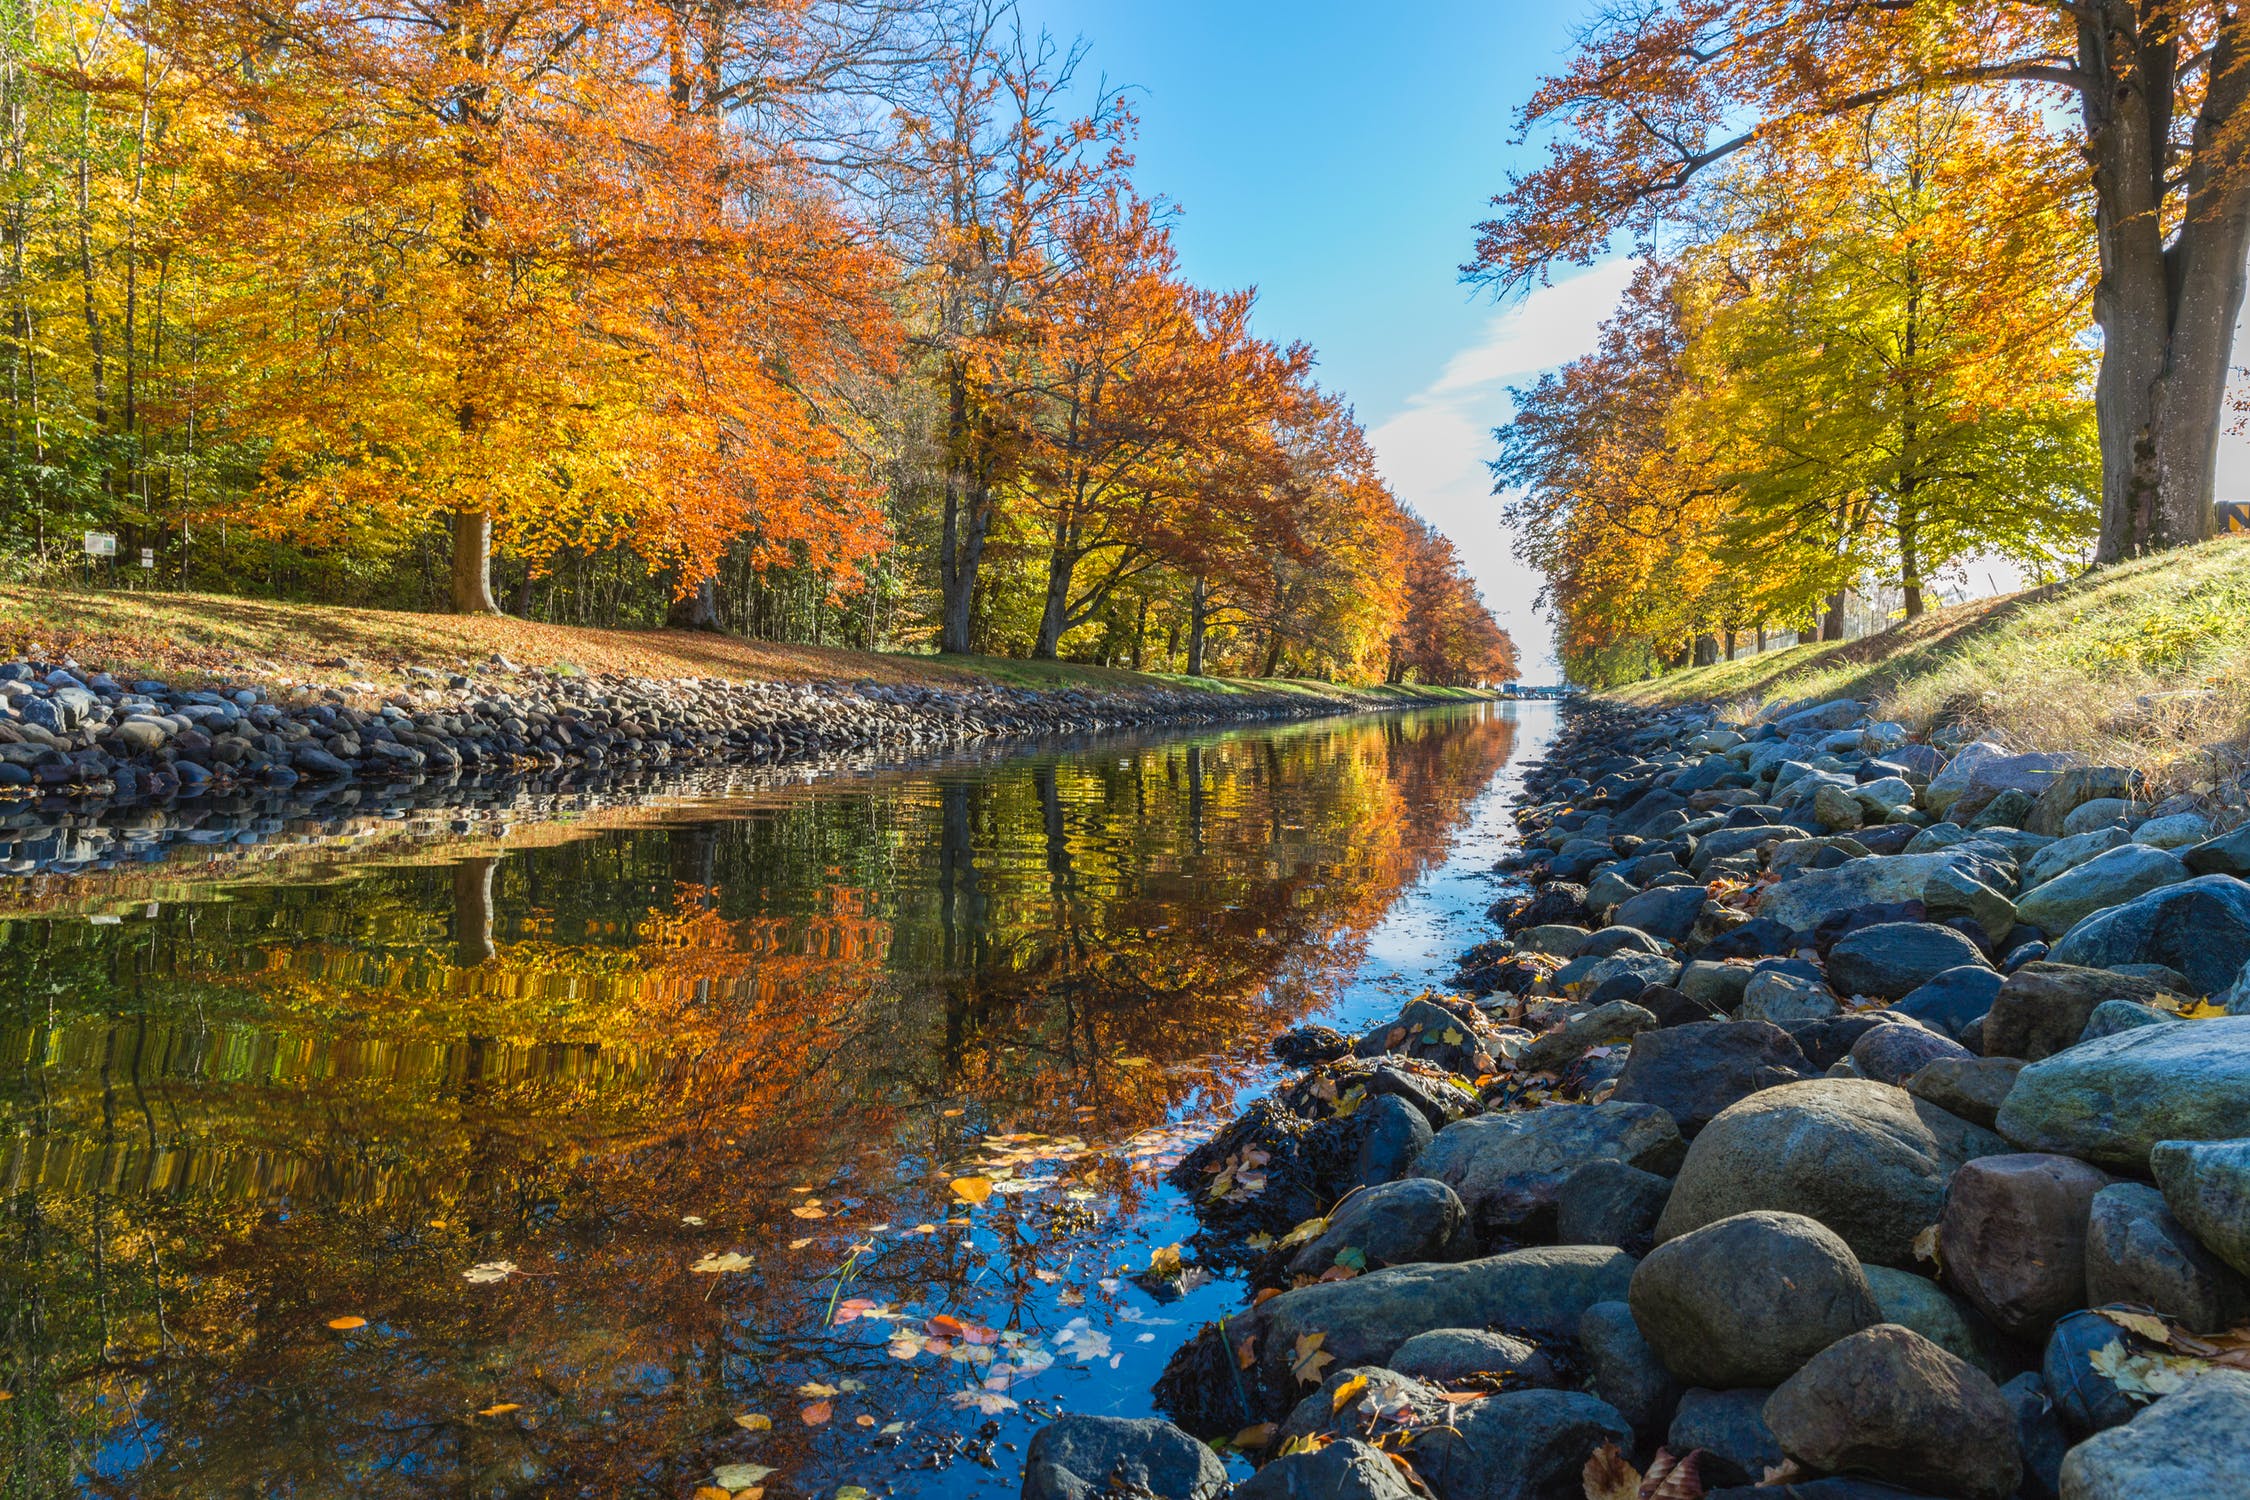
{"x": 1434, "y": 452}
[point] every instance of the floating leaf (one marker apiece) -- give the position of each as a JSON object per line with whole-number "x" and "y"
{"x": 893, "y": 1429}
{"x": 808, "y": 1211}
{"x": 1307, "y": 1363}
{"x": 991, "y": 1403}
{"x": 864, "y": 1420}
{"x": 740, "y": 1476}
{"x": 346, "y": 1324}
{"x": 502, "y": 1409}
{"x": 1608, "y": 1475}
{"x": 710, "y": 1492}
{"x": 972, "y": 1189}
{"x": 815, "y": 1388}
{"x": 850, "y": 1492}
{"x": 1164, "y": 1261}
{"x": 484, "y": 1273}
{"x": 712, "y": 1265}
{"x": 754, "y": 1421}
{"x": 1347, "y": 1393}
{"x": 817, "y": 1413}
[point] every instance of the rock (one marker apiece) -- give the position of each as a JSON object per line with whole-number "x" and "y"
{"x": 1363, "y": 1321}
{"x": 2085, "y": 1399}
{"x": 1427, "y": 1030}
{"x": 1747, "y": 1300}
{"x": 2069, "y": 853}
{"x": 2112, "y": 1016}
{"x": 1393, "y": 1136}
{"x": 1305, "y": 1046}
{"x": 2031, "y": 773}
{"x": 2228, "y": 854}
{"x": 1608, "y": 890}
{"x": 2039, "y": 1434}
{"x": 1668, "y": 912}
{"x": 1604, "y": 1025}
{"x": 1800, "y": 904}
{"x": 1866, "y": 1159}
{"x": 1954, "y": 1000}
{"x": 1947, "y": 1321}
{"x": 2190, "y": 1443}
{"x": 1398, "y": 1223}
{"x": 1453, "y": 1356}
{"x": 2076, "y": 787}
{"x": 2110, "y": 1101}
{"x": 2012, "y": 1238}
{"x": 1616, "y": 939}
{"x": 1715, "y": 986}
{"x": 1954, "y": 894}
{"x": 1345, "y": 1469}
{"x": 1828, "y": 1041}
{"x": 1730, "y": 1427}
{"x": 1972, "y": 1088}
{"x": 1779, "y": 997}
{"x": 1087, "y": 1457}
{"x": 1896, "y": 1052}
{"x": 1377, "y": 1396}
{"x": 2200, "y": 927}
{"x": 1518, "y": 1445}
{"x": 1508, "y": 1167}
{"x": 1889, "y": 1402}
{"x": 1558, "y": 939}
{"x": 1692, "y": 1072}
{"x": 2175, "y": 832}
{"x": 1893, "y": 959}
{"x": 2043, "y": 1008}
{"x": 1947, "y": 786}
{"x": 2102, "y": 812}
{"x": 2108, "y": 879}
{"x": 1836, "y": 809}
{"x": 1609, "y": 1203}
{"x": 2137, "y": 1252}
{"x": 1624, "y": 1370}
{"x": 2206, "y": 1184}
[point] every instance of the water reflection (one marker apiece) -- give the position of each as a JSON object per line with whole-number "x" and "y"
{"x": 761, "y": 1039}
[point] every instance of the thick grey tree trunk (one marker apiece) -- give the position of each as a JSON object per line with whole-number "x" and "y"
{"x": 472, "y": 563}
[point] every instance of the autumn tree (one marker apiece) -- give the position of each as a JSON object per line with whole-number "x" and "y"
{"x": 1658, "y": 93}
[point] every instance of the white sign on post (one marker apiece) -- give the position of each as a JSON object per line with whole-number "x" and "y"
{"x": 148, "y": 557}
{"x": 101, "y": 544}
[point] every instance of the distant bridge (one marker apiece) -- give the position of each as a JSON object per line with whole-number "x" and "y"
{"x": 1523, "y": 690}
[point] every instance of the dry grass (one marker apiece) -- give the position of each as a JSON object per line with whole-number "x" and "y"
{"x": 2147, "y": 664}
{"x": 202, "y": 636}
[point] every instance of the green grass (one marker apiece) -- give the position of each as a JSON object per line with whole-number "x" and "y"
{"x": 2147, "y": 663}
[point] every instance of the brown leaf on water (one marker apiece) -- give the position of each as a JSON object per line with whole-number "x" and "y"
{"x": 754, "y": 1421}
{"x": 972, "y": 1189}
{"x": 817, "y": 1413}
{"x": 1609, "y": 1476}
{"x": 710, "y": 1492}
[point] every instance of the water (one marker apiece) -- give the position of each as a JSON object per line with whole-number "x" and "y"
{"x": 813, "y": 1131}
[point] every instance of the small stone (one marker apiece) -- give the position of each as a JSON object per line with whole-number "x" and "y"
{"x": 1953, "y": 1000}
{"x": 1666, "y": 912}
{"x": 1508, "y": 1167}
{"x": 2228, "y": 854}
{"x": 2086, "y": 1399}
{"x": 1893, "y": 959}
{"x": 1889, "y": 1402}
{"x": 1778, "y": 997}
{"x": 1943, "y": 1318}
{"x": 1747, "y": 1300}
{"x": 2106, "y": 880}
{"x": 1604, "y": 1025}
{"x": 1730, "y": 1427}
{"x": 1518, "y": 1445}
{"x": 2200, "y": 927}
{"x": 2043, "y": 1008}
{"x": 1693, "y": 1072}
{"x": 1393, "y": 1136}
{"x": 1896, "y": 1052}
{"x": 1398, "y": 1223}
{"x": 2175, "y": 832}
{"x": 2112, "y": 1016}
{"x": 2012, "y": 1238}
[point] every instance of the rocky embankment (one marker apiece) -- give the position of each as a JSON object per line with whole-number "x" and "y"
{"x": 1839, "y": 1116}
{"x": 69, "y": 732}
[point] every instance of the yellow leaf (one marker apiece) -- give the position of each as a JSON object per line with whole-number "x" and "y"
{"x": 710, "y": 1492}
{"x": 1305, "y": 1233}
{"x": 1347, "y": 1393}
{"x": 1164, "y": 1261}
{"x": 815, "y": 1388}
{"x": 1353, "y": 1098}
{"x": 505, "y": 1406}
{"x": 1452, "y": 1036}
{"x": 972, "y": 1189}
{"x": 346, "y": 1324}
{"x": 2148, "y": 1327}
{"x": 754, "y": 1421}
{"x": 712, "y": 1265}
{"x": 1309, "y": 1360}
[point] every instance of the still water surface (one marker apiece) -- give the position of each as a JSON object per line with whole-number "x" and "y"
{"x": 618, "y": 1156}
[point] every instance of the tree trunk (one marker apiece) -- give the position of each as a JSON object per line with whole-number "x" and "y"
{"x": 1274, "y": 642}
{"x": 1910, "y": 566}
{"x": 472, "y": 563}
{"x": 698, "y": 609}
{"x": 1832, "y": 619}
{"x": 968, "y": 516}
{"x": 1730, "y": 644}
{"x": 1054, "y": 614}
{"x": 1706, "y": 650}
{"x": 1199, "y": 621}
{"x": 2167, "y": 313}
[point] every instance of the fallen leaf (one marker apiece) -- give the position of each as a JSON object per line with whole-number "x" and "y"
{"x": 754, "y": 1421}
{"x": 1462, "y": 1398}
{"x": 1249, "y": 1439}
{"x": 893, "y": 1429}
{"x": 1304, "y": 1233}
{"x": 1925, "y": 1245}
{"x": 484, "y": 1273}
{"x": 503, "y": 1407}
{"x": 1265, "y": 1294}
{"x": 807, "y": 1211}
{"x": 710, "y": 1492}
{"x": 1451, "y": 1037}
{"x": 1609, "y": 1476}
{"x": 850, "y": 1492}
{"x": 864, "y": 1420}
{"x": 693, "y": 1221}
{"x": 1347, "y": 1393}
{"x": 1164, "y": 1261}
{"x": 799, "y": 1244}
{"x": 1308, "y": 1361}
{"x": 1246, "y": 1352}
{"x": 2147, "y": 1326}
{"x": 817, "y": 1413}
{"x": 712, "y": 1265}
{"x": 346, "y": 1324}
{"x": 740, "y": 1476}
{"x": 816, "y": 1389}
{"x": 972, "y": 1189}
{"x": 1672, "y": 1478}
{"x": 991, "y": 1403}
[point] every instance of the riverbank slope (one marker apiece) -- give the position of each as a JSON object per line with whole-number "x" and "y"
{"x": 2142, "y": 664}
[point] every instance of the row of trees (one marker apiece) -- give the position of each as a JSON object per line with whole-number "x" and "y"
{"x": 825, "y": 319}
{"x": 1878, "y": 243}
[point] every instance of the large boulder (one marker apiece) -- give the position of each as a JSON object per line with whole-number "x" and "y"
{"x": 2111, "y": 1100}
{"x": 1346, "y": 1469}
{"x": 1666, "y": 911}
{"x": 2106, "y": 880}
{"x": 1893, "y": 959}
{"x": 2031, "y": 773}
{"x": 2069, "y": 853}
{"x": 1397, "y": 1223}
{"x": 1087, "y": 1457}
{"x": 1507, "y": 1167}
{"x": 1802, "y": 903}
{"x": 2043, "y": 1007}
{"x": 1451, "y": 1356}
{"x": 1781, "y": 998}
{"x": 1393, "y": 1134}
{"x": 1518, "y": 1445}
{"x": 2190, "y": 1443}
{"x": 1972, "y": 1088}
{"x": 1954, "y": 1000}
{"x": 1609, "y": 1203}
{"x": 1891, "y": 1403}
{"x": 1747, "y": 1300}
{"x": 2076, "y": 787}
{"x": 1362, "y": 1321}
{"x": 2138, "y": 1252}
{"x": 2228, "y": 854}
{"x": 1896, "y": 1052}
{"x": 1947, "y": 786}
{"x": 1693, "y": 1072}
{"x": 1866, "y": 1159}
{"x": 2207, "y": 1185}
{"x": 2012, "y": 1238}
{"x": 2200, "y": 927}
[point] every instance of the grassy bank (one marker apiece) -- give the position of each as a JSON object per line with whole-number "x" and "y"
{"x": 187, "y": 637}
{"x": 2145, "y": 664}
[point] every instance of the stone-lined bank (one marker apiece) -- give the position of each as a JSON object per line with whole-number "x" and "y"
{"x": 1863, "y": 1116}
{"x": 78, "y": 733}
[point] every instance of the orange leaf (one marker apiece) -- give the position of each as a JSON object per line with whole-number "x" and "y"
{"x": 346, "y": 1324}
{"x": 817, "y": 1413}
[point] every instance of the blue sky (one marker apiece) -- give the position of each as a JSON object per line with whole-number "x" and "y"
{"x": 1336, "y": 156}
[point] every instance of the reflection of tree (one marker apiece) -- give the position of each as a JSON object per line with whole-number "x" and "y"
{"x": 236, "y": 1121}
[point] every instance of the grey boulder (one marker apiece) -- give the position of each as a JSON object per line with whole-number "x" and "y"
{"x": 1085, "y": 1457}
{"x": 2138, "y": 1252}
{"x": 1346, "y": 1469}
{"x": 2106, "y": 880}
{"x": 1449, "y": 1356}
{"x": 1889, "y": 1402}
{"x": 1747, "y": 1300}
{"x": 2191, "y": 1443}
{"x": 2110, "y": 1101}
{"x": 2207, "y": 1185}
{"x": 1693, "y": 1072}
{"x": 1507, "y": 1168}
{"x": 2200, "y": 927}
{"x": 1890, "y": 960}
{"x": 1518, "y": 1445}
{"x": 1624, "y": 1371}
{"x": 2012, "y": 1238}
{"x": 1397, "y": 1223}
